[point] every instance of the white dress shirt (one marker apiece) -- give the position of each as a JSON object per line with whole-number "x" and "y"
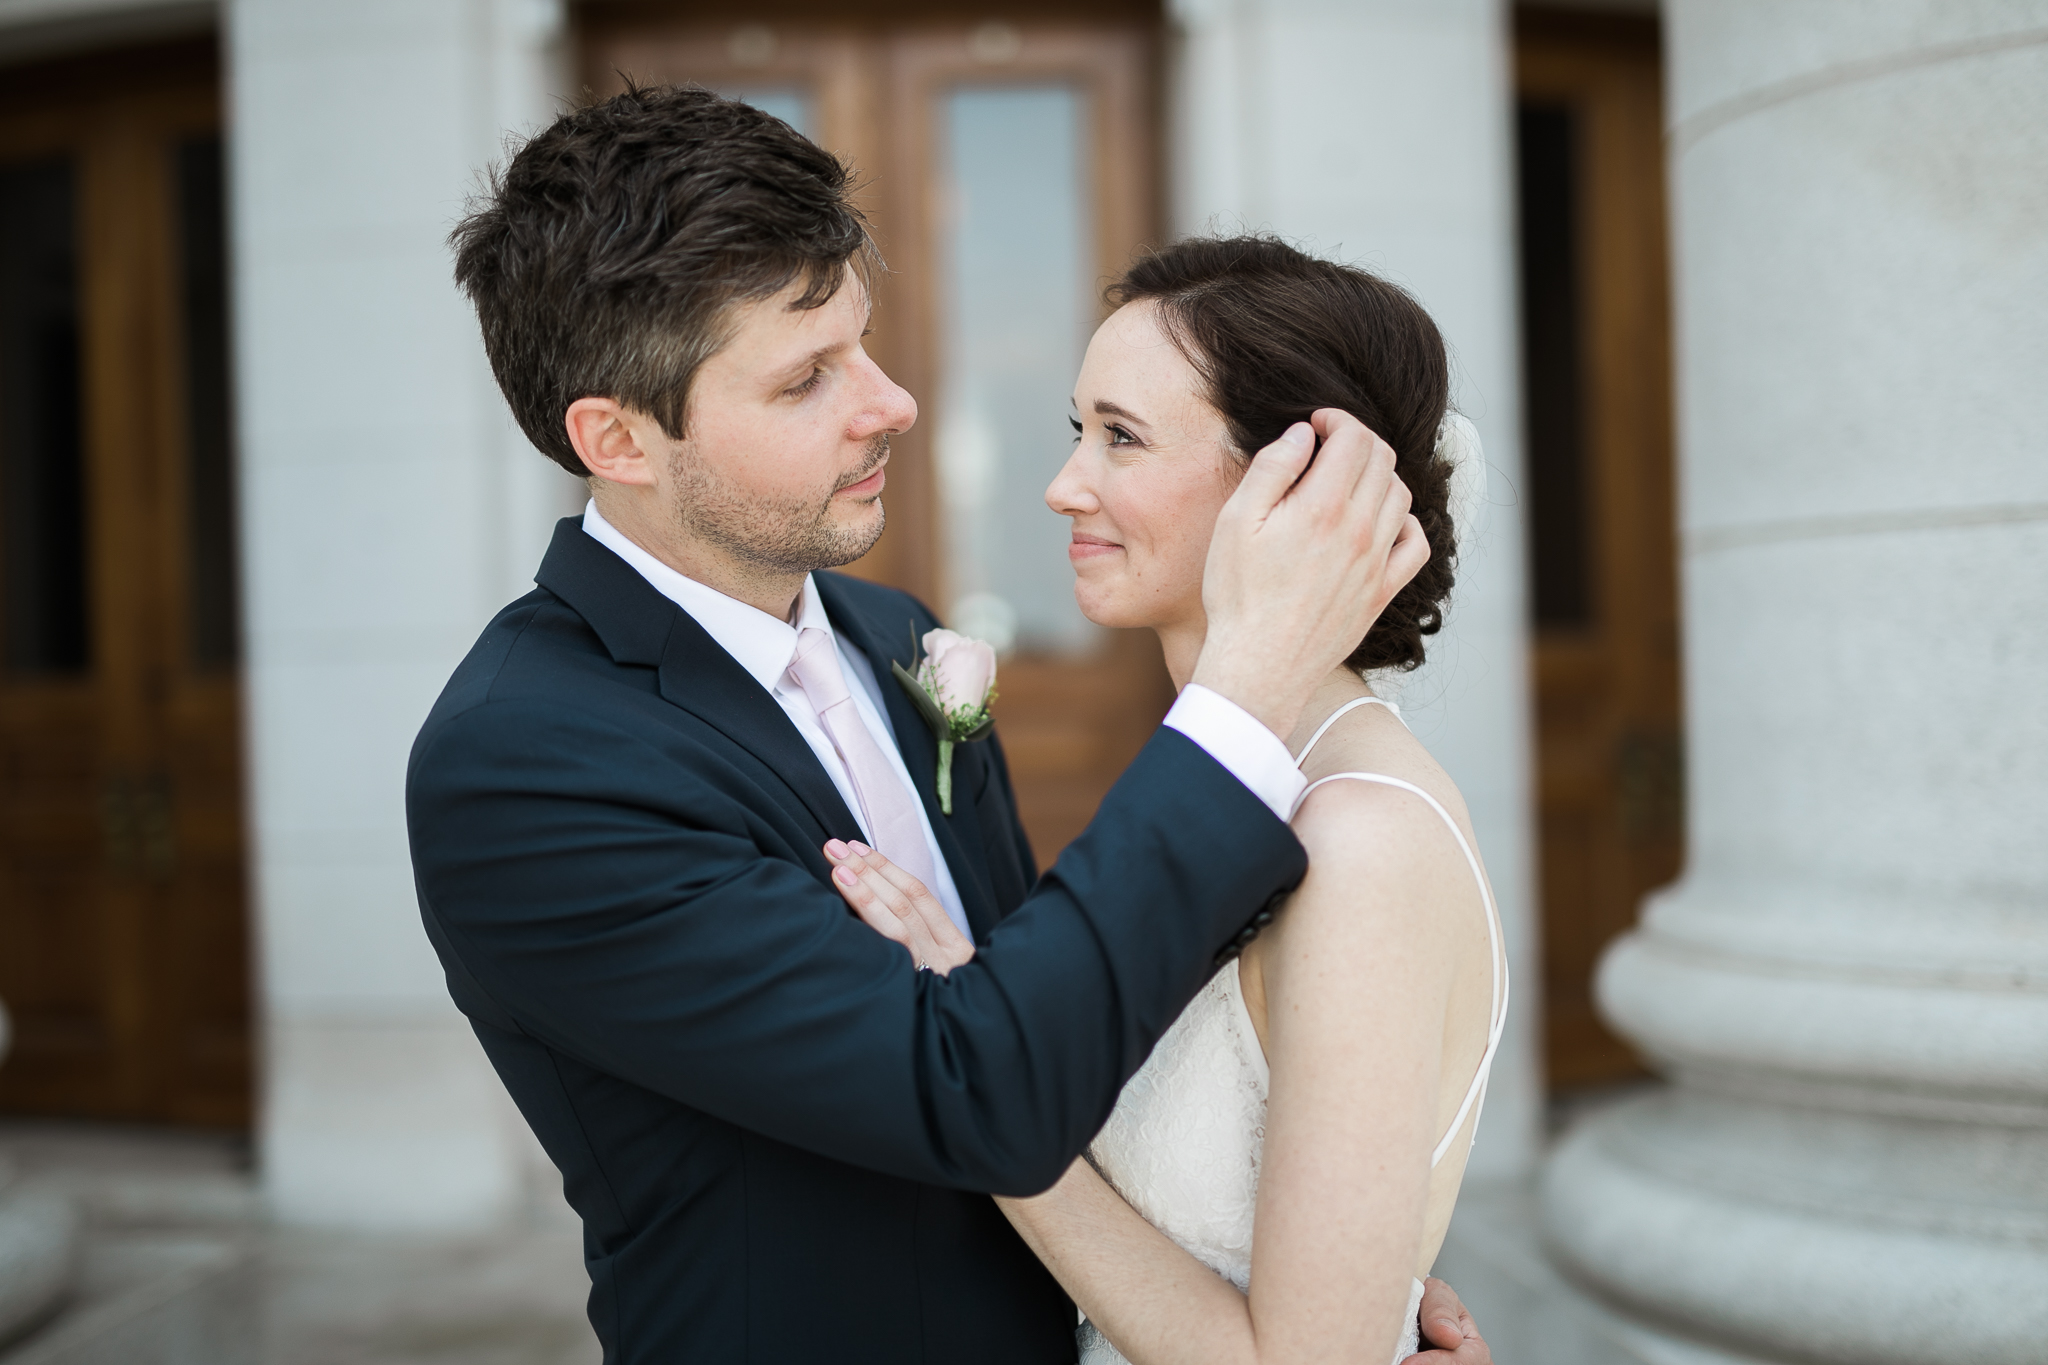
{"x": 763, "y": 645}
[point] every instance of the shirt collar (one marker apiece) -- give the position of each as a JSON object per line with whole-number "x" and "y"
{"x": 760, "y": 643}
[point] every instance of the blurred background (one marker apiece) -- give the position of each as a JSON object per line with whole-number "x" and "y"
{"x": 1748, "y": 299}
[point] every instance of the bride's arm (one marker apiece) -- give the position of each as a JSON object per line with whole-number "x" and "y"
{"x": 1358, "y": 973}
{"x": 1154, "y": 1300}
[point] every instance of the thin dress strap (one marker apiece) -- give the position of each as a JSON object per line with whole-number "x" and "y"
{"x": 1475, "y": 1094}
{"x": 1346, "y": 709}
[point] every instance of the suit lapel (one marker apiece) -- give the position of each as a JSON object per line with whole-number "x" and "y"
{"x": 640, "y": 626}
{"x": 959, "y": 835}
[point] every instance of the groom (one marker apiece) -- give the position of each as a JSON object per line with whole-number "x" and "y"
{"x": 779, "y": 1133}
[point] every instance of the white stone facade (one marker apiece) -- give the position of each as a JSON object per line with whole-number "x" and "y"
{"x": 389, "y": 507}
{"x": 1850, "y": 984}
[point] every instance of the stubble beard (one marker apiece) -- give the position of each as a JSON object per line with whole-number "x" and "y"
{"x": 794, "y": 535}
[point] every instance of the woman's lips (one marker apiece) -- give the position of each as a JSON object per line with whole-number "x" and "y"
{"x": 1082, "y": 548}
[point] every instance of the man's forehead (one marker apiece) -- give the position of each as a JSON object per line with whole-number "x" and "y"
{"x": 780, "y": 322}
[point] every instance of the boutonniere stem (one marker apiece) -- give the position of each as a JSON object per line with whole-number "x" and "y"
{"x": 953, "y": 683}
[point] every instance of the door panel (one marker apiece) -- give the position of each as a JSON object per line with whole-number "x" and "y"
{"x": 122, "y": 908}
{"x": 1603, "y": 562}
{"x": 983, "y": 317}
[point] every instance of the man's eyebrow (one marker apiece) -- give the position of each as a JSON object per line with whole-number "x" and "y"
{"x": 812, "y": 359}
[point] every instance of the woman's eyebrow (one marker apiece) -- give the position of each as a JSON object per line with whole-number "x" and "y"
{"x": 1105, "y": 408}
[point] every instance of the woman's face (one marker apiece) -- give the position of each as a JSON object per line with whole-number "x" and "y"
{"x": 1152, "y": 466}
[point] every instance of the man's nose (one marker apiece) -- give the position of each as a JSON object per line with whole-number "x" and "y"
{"x": 889, "y": 409}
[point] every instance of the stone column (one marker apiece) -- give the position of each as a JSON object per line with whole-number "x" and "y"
{"x": 1376, "y": 131}
{"x": 38, "y": 1244}
{"x": 1850, "y": 984}
{"x": 389, "y": 506}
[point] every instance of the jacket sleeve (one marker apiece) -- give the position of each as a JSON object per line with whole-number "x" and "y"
{"x": 628, "y": 911}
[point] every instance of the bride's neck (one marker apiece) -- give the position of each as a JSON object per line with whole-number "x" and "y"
{"x": 1182, "y": 645}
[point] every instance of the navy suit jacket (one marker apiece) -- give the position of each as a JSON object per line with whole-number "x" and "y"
{"x": 779, "y": 1135}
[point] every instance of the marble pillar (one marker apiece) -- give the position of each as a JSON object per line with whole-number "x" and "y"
{"x": 39, "y": 1232}
{"x": 389, "y": 507}
{"x": 1849, "y": 986}
{"x": 1376, "y": 131}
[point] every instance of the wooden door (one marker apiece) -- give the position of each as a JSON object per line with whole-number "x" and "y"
{"x": 898, "y": 98}
{"x": 1602, "y": 550}
{"x": 123, "y": 957}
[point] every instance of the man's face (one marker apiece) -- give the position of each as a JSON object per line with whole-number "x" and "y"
{"x": 787, "y": 434}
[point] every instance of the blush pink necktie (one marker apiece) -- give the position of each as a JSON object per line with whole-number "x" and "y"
{"x": 888, "y": 807}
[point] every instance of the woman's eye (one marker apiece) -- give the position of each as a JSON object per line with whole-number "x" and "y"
{"x": 1075, "y": 423}
{"x": 1119, "y": 437}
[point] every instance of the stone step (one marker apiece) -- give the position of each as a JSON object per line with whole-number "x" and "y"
{"x": 152, "y": 1299}
{"x": 39, "y": 1239}
{"x": 1530, "y": 1313}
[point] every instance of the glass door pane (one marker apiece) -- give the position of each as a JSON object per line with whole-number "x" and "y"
{"x": 210, "y": 477}
{"x": 1017, "y": 275}
{"x": 42, "y": 485}
{"x": 790, "y": 103}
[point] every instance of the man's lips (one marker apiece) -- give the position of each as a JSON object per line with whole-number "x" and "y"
{"x": 871, "y": 485}
{"x": 1085, "y": 547}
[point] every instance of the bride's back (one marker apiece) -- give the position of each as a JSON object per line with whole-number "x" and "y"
{"x": 1336, "y": 822}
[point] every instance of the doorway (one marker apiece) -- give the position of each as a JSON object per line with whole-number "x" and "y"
{"x": 1603, "y": 561}
{"x": 123, "y": 938}
{"x": 1010, "y": 168}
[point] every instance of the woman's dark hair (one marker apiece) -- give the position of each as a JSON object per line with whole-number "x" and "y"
{"x": 605, "y": 259}
{"x": 1275, "y": 334}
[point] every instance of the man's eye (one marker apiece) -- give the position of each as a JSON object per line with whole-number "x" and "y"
{"x": 801, "y": 389}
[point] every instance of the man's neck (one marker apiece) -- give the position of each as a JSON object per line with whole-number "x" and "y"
{"x": 639, "y": 520}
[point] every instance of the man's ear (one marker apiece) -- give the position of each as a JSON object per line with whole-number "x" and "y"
{"x": 606, "y": 439}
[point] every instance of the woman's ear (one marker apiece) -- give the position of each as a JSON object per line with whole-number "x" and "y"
{"x": 604, "y": 436}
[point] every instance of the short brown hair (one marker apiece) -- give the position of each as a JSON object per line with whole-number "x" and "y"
{"x": 605, "y": 257}
{"x": 1275, "y": 334}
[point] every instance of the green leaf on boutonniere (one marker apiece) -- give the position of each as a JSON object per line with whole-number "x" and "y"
{"x": 922, "y": 700}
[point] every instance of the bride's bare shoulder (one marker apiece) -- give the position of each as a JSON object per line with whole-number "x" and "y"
{"x": 1336, "y": 813}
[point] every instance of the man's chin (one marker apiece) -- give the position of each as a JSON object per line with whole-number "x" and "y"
{"x": 856, "y": 534}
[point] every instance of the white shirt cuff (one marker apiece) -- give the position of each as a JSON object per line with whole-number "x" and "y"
{"x": 1253, "y": 754}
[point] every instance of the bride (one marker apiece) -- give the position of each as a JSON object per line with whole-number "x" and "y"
{"x": 1324, "y": 1087}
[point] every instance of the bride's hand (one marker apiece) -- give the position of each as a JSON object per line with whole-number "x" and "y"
{"x": 897, "y": 906}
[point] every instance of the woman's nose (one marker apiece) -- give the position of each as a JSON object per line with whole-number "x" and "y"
{"x": 1069, "y": 494}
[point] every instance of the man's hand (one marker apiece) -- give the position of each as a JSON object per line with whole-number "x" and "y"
{"x": 1448, "y": 1327}
{"x": 1301, "y": 565}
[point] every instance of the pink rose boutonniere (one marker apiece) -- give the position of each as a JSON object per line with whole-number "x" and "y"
{"x": 952, "y": 687}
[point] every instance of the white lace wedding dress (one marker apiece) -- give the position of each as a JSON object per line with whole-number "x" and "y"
{"x": 1184, "y": 1143}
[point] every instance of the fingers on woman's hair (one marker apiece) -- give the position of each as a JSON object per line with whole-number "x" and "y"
{"x": 1388, "y": 518}
{"x": 1349, "y": 456}
{"x": 1276, "y": 467}
{"x": 1411, "y": 551}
